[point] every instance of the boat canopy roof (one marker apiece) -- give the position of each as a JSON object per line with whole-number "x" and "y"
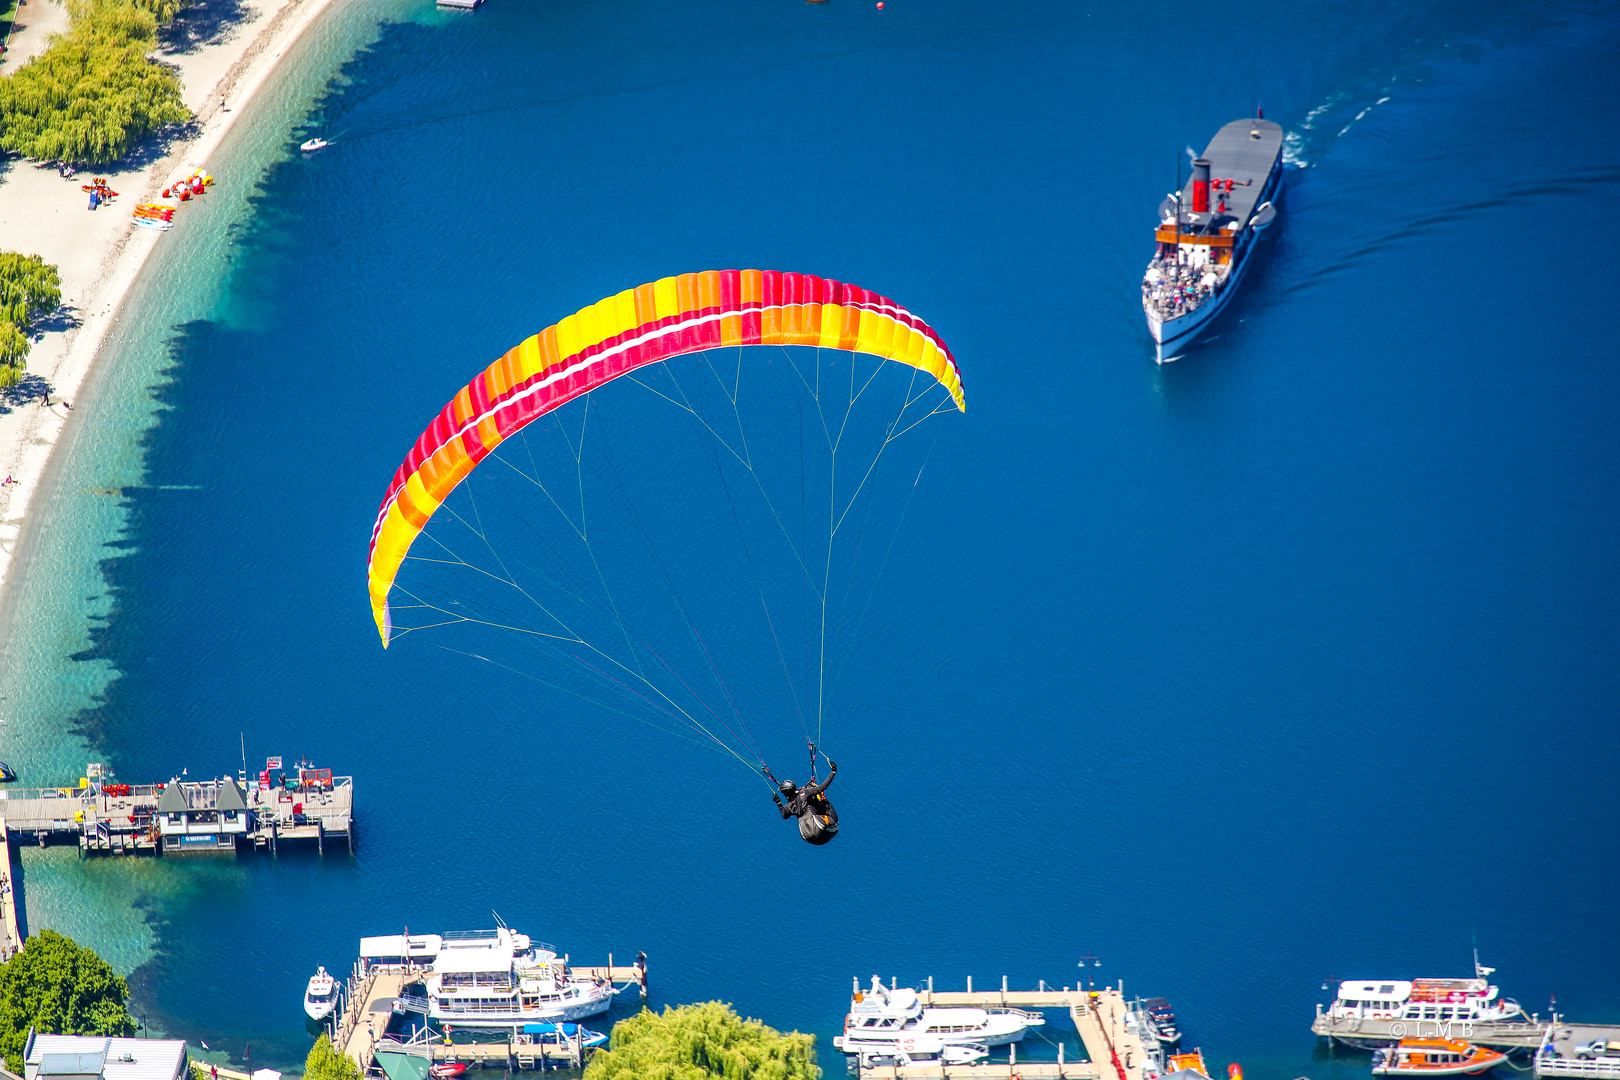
{"x": 393, "y": 947}
{"x": 465, "y": 960}
{"x": 1393, "y": 990}
{"x": 1467, "y": 986}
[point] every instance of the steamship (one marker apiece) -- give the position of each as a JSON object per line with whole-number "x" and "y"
{"x": 1208, "y": 231}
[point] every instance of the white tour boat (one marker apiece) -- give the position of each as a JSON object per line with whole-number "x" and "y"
{"x": 491, "y": 978}
{"x": 1372, "y": 1013}
{"x": 881, "y": 1020}
{"x": 320, "y": 997}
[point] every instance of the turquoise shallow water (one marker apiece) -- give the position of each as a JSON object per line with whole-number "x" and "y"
{"x": 1289, "y": 660}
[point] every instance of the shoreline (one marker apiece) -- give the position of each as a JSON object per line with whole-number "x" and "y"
{"x": 100, "y": 260}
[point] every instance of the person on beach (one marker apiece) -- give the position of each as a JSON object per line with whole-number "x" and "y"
{"x": 818, "y": 821}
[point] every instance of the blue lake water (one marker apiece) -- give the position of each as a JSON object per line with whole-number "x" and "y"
{"x": 1289, "y": 660}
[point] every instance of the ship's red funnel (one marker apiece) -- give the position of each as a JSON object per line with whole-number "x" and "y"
{"x": 1200, "y": 186}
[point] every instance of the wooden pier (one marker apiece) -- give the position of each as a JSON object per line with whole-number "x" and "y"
{"x": 183, "y": 816}
{"x": 1363, "y": 1031}
{"x": 366, "y": 1005}
{"x": 10, "y": 923}
{"x": 1099, "y": 1016}
{"x": 1555, "y": 1057}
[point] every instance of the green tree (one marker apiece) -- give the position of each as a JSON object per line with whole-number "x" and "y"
{"x": 702, "y": 1042}
{"x": 325, "y": 1063}
{"x": 56, "y": 986}
{"x": 29, "y": 287}
{"x": 94, "y": 92}
{"x": 165, "y": 10}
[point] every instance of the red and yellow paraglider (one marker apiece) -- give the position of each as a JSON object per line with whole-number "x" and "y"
{"x": 670, "y": 317}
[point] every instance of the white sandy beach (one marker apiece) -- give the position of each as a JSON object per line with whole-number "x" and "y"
{"x": 100, "y": 254}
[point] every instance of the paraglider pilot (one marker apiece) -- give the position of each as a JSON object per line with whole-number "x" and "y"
{"x": 818, "y": 821}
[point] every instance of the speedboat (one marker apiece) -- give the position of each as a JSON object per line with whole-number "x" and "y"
{"x": 1433, "y": 1057}
{"x": 7, "y": 773}
{"x": 1163, "y": 1022}
{"x": 882, "y": 1019}
{"x": 320, "y": 997}
{"x": 309, "y": 146}
{"x": 918, "y": 1050}
{"x": 564, "y": 1035}
{"x": 443, "y": 1070}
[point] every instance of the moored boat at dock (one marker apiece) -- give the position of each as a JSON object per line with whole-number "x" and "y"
{"x": 882, "y": 1019}
{"x": 1434, "y": 1057}
{"x": 493, "y": 978}
{"x": 1208, "y": 231}
{"x": 1372, "y": 1013}
{"x": 1191, "y": 1066}
{"x": 320, "y": 996}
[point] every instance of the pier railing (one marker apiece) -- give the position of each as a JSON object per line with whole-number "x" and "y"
{"x": 1599, "y": 1069}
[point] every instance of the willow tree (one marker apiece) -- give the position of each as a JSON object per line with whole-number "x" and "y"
{"x": 93, "y": 93}
{"x": 29, "y": 288}
{"x": 702, "y": 1042}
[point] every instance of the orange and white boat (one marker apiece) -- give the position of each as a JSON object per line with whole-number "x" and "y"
{"x": 1433, "y": 1057}
{"x": 1188, "y": 1065}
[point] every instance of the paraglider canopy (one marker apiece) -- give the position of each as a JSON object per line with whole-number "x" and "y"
{"x": 654, "y": 322}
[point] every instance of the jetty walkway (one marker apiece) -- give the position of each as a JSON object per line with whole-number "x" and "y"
{"x": 183, "y": 816}
{"x": 11, "y": 937}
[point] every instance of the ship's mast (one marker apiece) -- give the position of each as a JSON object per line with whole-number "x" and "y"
{"x": 1178, "y": 208}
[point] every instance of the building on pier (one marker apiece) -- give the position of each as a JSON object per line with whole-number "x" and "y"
{"x": 226, "y": 814}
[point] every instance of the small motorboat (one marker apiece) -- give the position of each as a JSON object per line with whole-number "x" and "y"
{"x": 444, "y": 1069}
{"x": 309, "y": 146}
{"x": 320, "y": 998}
{"x": 1164, "y": 1023}
{"x": 918, "y": 1050}
{"x": 7, "y": 773}
{"x": 1433, "y": 1057}
{"x": 564, "y": 1035}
